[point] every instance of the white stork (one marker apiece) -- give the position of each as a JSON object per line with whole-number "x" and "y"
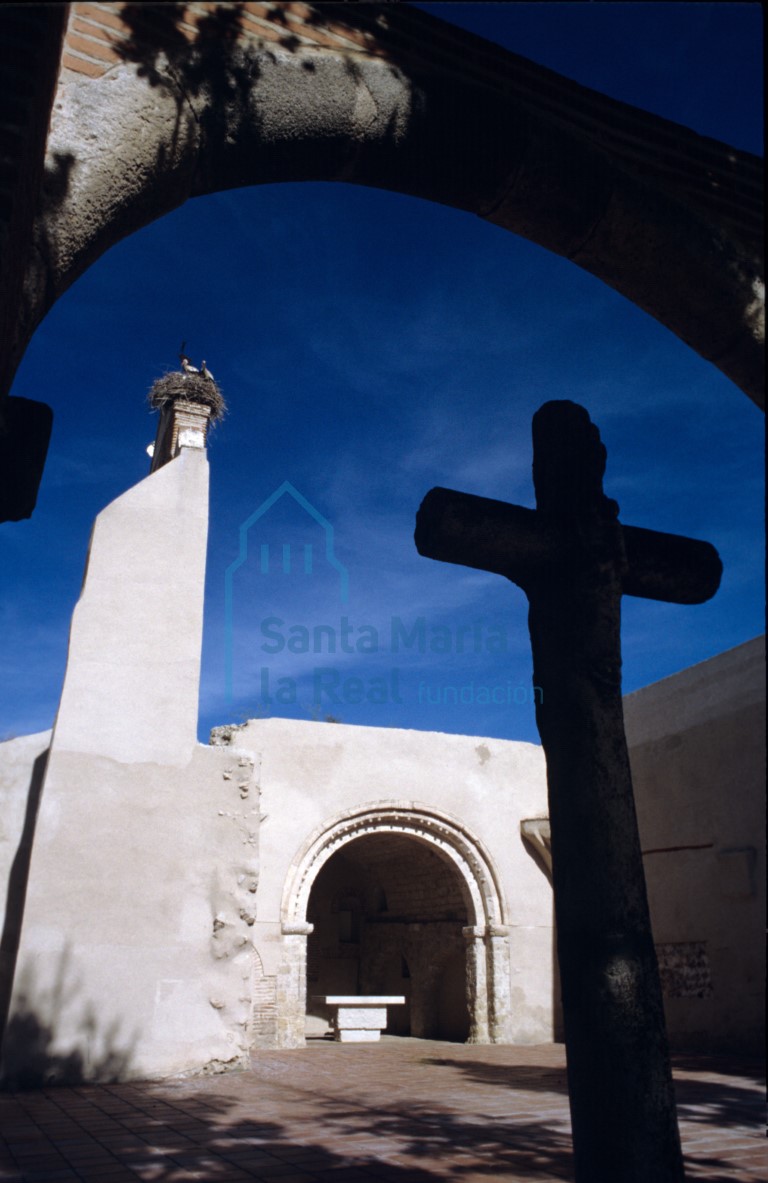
{"x": 206, "y": 373}
{"x": 186, "y": 364}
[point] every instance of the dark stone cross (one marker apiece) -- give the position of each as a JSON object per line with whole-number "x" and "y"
{"x": 574, "y": 560}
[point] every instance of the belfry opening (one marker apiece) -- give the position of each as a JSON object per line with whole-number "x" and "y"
{"x": 388, "y": 913}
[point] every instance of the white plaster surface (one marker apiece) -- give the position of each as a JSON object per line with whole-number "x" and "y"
{"x": 697, "y": 750}
{"x": 724, "y": 685}
{"x": 131, "y": 687}
{"x": 136, "y": 944}
{"x": 17, "y": 762}
{"x": 311, "y": 773}
{"x": 154, "y": 910}
{"x": 22, "y": 769}
{"x": 135, "y": 956}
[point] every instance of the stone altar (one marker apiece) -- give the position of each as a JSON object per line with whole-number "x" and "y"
{"x": 359, "y": 1018}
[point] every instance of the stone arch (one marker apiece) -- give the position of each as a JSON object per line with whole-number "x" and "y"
{"x": 486, "y": 934}
{"x": 441, "y": 830}
{"x": 148, "y": 114}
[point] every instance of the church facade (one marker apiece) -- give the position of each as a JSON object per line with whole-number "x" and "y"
{"x": 172, "y": 907}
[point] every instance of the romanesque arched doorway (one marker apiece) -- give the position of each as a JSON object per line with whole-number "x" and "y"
{"x": 397, "y": 898}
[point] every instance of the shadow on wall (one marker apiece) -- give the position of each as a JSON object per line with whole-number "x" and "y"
{"x": 166, "y": 58}
{"x": 224, "y": 65}
{"x": 30, "y": 1057}
{"x": 17, "y": 890}
{"x": 156, "y": 34}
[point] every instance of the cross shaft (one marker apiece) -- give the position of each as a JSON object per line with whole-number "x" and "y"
{"x": 575, "y": 560}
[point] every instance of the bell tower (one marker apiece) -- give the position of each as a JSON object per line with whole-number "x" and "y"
{"x": 133, "y": 671}
{"x": 188, "y": 402}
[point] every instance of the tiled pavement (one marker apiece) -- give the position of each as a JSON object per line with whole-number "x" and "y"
{"x": 403, "y": 1111}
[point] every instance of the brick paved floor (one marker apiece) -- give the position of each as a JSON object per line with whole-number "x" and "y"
{"x": 403, "y": 1111}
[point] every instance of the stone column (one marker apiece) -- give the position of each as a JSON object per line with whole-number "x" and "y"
{"x": 499, "y": 989}
{"x": 291, "y": 992}
{"x": 477, "y": 984}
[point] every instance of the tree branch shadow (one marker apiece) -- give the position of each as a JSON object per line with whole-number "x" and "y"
{"x": 285, "y": 1124}
{"x": 737, "y": 1099}
{"x": 512, "y": 1076}
{"x": 31, "y": 1056}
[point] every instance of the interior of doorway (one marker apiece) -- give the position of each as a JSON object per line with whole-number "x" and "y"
{"x": 388, "y": 912}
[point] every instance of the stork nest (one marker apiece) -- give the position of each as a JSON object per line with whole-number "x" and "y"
{"x": 191, "y": 387}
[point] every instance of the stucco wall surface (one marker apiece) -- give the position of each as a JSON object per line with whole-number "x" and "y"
{"x": 133, "y": 671}
{"x": 697, "y": 749}
{"x": 22, "y": 768}
{"x": 135, "y": 957}
{"x": 17, "y": 764}
{"x": 312, "y": 773}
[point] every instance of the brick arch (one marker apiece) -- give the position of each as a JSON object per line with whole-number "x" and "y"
{"x": 156, "y": 104}
{"x": 488, "y": 979}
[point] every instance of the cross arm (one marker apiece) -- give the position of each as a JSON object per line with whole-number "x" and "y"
{"x": 478, "y": 532}
{"x": 670, "y": 567}
{"x": 520, "y": 544}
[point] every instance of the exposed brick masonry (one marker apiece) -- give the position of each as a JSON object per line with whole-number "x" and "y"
{"x": 725, "y": 185}
{"x": 102, "y": 35}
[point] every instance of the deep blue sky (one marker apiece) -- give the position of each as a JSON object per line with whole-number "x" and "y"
{"x": 371, "y": 346}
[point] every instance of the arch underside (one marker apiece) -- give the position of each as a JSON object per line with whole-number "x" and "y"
{"x": 669, "y": 219}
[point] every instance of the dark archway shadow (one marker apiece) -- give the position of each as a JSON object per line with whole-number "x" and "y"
{"x": 451, "y": 1000}
{"x": 387, "y": 914}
